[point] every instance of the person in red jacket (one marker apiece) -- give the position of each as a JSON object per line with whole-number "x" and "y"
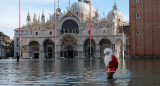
{"x": 111, "y": 62}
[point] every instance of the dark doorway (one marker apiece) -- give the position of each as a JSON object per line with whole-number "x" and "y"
{"x": 87, "y": 48}
{"x": 70, "y": 53}
{"x": 90, "y": 55}
{"x": 49, "y": 55}
{"x": 36, "y": 55}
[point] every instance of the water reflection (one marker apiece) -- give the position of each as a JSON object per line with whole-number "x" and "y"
{"x": 145, "y": 72}
{"x": 69, "y": 72}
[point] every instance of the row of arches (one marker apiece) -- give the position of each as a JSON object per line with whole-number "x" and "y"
{"x": 34, "y": 49}
{"x": 69, "y": 48}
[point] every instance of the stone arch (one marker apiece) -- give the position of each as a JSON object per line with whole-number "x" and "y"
{"x": 48, "y": 48}
{"x": 92, "y": 39}
{"x": 43, "y": 41}
{"x": 66, "y": 35}
{"x": 34, "y": 49}
{"x": 118, "y": 48}
{"x": 69, "y": 26}
{"x": 68, "y": 18}
{"x": 37, "y": 25}
{"x": 68, "y": 47}
{"x": 89, "y": 49}
{"x": 69, "y": 40}
{"x": 29, "y": 41}
{"x": 104, "y": 43}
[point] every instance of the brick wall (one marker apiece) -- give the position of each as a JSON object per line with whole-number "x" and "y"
{"x": 147, "y": 43}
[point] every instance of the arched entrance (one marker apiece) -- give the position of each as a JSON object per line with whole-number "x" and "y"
{"x": 48, "y": 49}
{"x": 104, "y": 43}
{"x": 70, "y": 26}
{"x": 34, "y": 48}
{"x": 118, "y": 48}
{"x": 87, "y": 48}
{"x": 70, "y": 50}
{"x": 68, "y": 47}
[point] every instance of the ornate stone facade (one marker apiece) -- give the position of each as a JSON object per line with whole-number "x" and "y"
{"x": 72, "y": 34}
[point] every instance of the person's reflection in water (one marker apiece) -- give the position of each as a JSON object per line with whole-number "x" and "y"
{"x": 17, "y": 58}
{"x": 110, "y": 82}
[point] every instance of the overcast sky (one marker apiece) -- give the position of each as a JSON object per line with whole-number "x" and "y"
{"x": 9, "y": 10}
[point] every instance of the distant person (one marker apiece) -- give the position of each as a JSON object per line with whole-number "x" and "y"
{"x": 111, "y": 63}
{"x": 17, "y": 58}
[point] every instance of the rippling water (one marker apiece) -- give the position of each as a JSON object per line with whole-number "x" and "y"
{"x": 78, "y": 72}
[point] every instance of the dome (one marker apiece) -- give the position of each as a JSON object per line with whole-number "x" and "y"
{"x": 117, "y": 12}
{"x": 58, "y": 13}
{"x": 81, "y": 7}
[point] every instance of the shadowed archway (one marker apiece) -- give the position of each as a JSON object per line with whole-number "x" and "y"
{"x": 48, "y": 49}
{"x": 87, "y": 48}
{"x": 34, "y": 48}
{"x": 68, "y": 47}
{"x": 104, "y": 43}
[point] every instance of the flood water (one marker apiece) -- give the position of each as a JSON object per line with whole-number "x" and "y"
{"x": 78, "y": 72}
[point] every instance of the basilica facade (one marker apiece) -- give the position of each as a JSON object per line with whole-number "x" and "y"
{"x": 72, "y": 33}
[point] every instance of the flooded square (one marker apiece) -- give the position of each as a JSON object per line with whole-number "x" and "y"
{"x": 78, "y": 72}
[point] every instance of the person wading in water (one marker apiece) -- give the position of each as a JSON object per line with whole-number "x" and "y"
{"x": 111, "y": 62}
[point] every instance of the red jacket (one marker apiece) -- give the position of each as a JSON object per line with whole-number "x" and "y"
{"x": 113, "y": 65}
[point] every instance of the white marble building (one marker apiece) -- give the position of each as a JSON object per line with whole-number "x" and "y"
{"x": 72, "y": 33}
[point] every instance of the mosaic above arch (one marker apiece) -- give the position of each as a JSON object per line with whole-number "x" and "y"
{"x": 69, "y": 40}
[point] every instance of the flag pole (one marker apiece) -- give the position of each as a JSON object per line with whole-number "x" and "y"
{"x": 90, "y": 32}
{"x": 55, "y": 29}
{"x": 19, "y": 28}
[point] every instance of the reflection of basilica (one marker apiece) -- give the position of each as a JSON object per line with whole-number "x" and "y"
{"x": 73, "y": 28}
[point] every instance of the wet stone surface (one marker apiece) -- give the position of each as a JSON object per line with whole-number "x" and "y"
{"x": 78, "y": 72}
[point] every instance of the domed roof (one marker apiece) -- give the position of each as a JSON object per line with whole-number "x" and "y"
{"x": 119, "y": 14}
{"x": 84, "y": 8}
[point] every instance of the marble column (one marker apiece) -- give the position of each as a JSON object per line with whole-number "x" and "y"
{"x": 27, "y": 51}
{"x": 98, "y": 51}
{"x": 41, "y": 54}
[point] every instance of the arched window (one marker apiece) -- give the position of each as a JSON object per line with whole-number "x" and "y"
{"x": 137, "y": 1}
{"x": 50, "y": 33}
{"x": 137, "y": 16}
{"x": 36, "y": 33}
{"x": 77, "y": 13}
{"x": 70, "y": 26}
{"x": 137, "y": 32}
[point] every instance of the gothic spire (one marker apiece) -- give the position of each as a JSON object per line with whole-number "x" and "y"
{"x": 58, "y": 3}
{"x": 43, "y": 13}
{"x": 28, "y": 13}
{"x": 115, "y": 5}
{"x": 39, "y": 19}
{"x": 69, "y": 4}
